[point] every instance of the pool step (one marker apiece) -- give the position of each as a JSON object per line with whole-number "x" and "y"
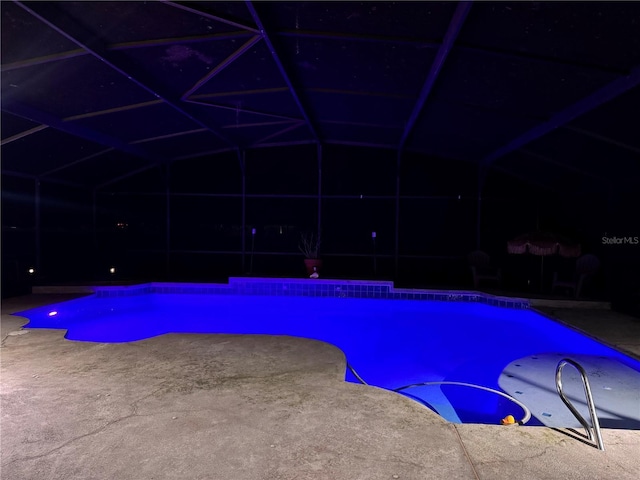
{"x": 615, "y": 388}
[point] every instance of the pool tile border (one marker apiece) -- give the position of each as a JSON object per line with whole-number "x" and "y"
{"x": 312, "y": 288}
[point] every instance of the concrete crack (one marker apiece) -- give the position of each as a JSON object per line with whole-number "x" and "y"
{"x": 520, "y": 459}
{"x": 134, "y": 413}
{"x": 466, "y": 453}
{"x": 70, "y": 441}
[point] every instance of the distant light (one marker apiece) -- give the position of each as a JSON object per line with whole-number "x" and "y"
{"x": 53, "y": 314}
{"x": 253, "y": 231}
{"x": 31, "y": 271}
{"x": 112, "y": 270}
{"x": 373, "y": 234}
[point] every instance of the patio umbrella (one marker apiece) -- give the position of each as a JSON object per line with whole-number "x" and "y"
{"x": 543, "y": 244}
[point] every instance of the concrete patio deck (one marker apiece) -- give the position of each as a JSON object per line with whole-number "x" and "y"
{"x": 259, "y": 408}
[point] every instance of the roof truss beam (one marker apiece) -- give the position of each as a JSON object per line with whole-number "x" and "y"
{"x": 10, "y": 173}
{"x": 279, "y": 132}
{"x": 158, "y": 42}
{"x": 494, "y": 52}
{"x": 360, "y": 93}
{"x": 357, "y": 38}
{"x": 16, "y": 108}
{"x": 459, "y": 16}
{"x": 238, "y": 109}
{"x": 54, "y": 57}
{"x": 75, "y": 162}
{"x": 51, "y": 16}
{"x": 529, "y": 57}
{"x": 602, "y": 138}
{"x": 283, "y": 72}
{"x": 289, "y": 143}
{"x": 212, "y": 16}
{"x": 528, "y": 180}
{"x": 222, "y": 65}
{"x": 587, "y": 104}
{"x": 545, "y": 159}
{"x": 125, "y": 175}
{"x": 255, "y": 91}
{"x": 123, "y": 108}
{"x": 23, "y": 134}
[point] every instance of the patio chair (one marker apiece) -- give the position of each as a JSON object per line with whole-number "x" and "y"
{"x": 482, "y": 269}
{"x": 586, "y": 268}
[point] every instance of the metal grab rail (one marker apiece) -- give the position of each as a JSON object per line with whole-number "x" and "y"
{"x": 593, "y": 431}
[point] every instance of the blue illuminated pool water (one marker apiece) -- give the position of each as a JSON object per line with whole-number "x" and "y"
{"x": 389, "y": 343}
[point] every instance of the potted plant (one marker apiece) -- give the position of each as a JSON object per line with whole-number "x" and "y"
{"x": 310, "y": 247}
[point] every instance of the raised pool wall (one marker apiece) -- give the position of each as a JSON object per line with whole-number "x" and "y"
{"x": 309, "y": 288}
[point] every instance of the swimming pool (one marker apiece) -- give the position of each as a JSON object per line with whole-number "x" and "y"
{"x": 389, "y": 342}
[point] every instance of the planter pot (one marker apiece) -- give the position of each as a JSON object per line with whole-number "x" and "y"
{"x": 312, "y": 265}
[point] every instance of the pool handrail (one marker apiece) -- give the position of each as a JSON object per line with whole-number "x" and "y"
{"x": 593, "y": 432}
